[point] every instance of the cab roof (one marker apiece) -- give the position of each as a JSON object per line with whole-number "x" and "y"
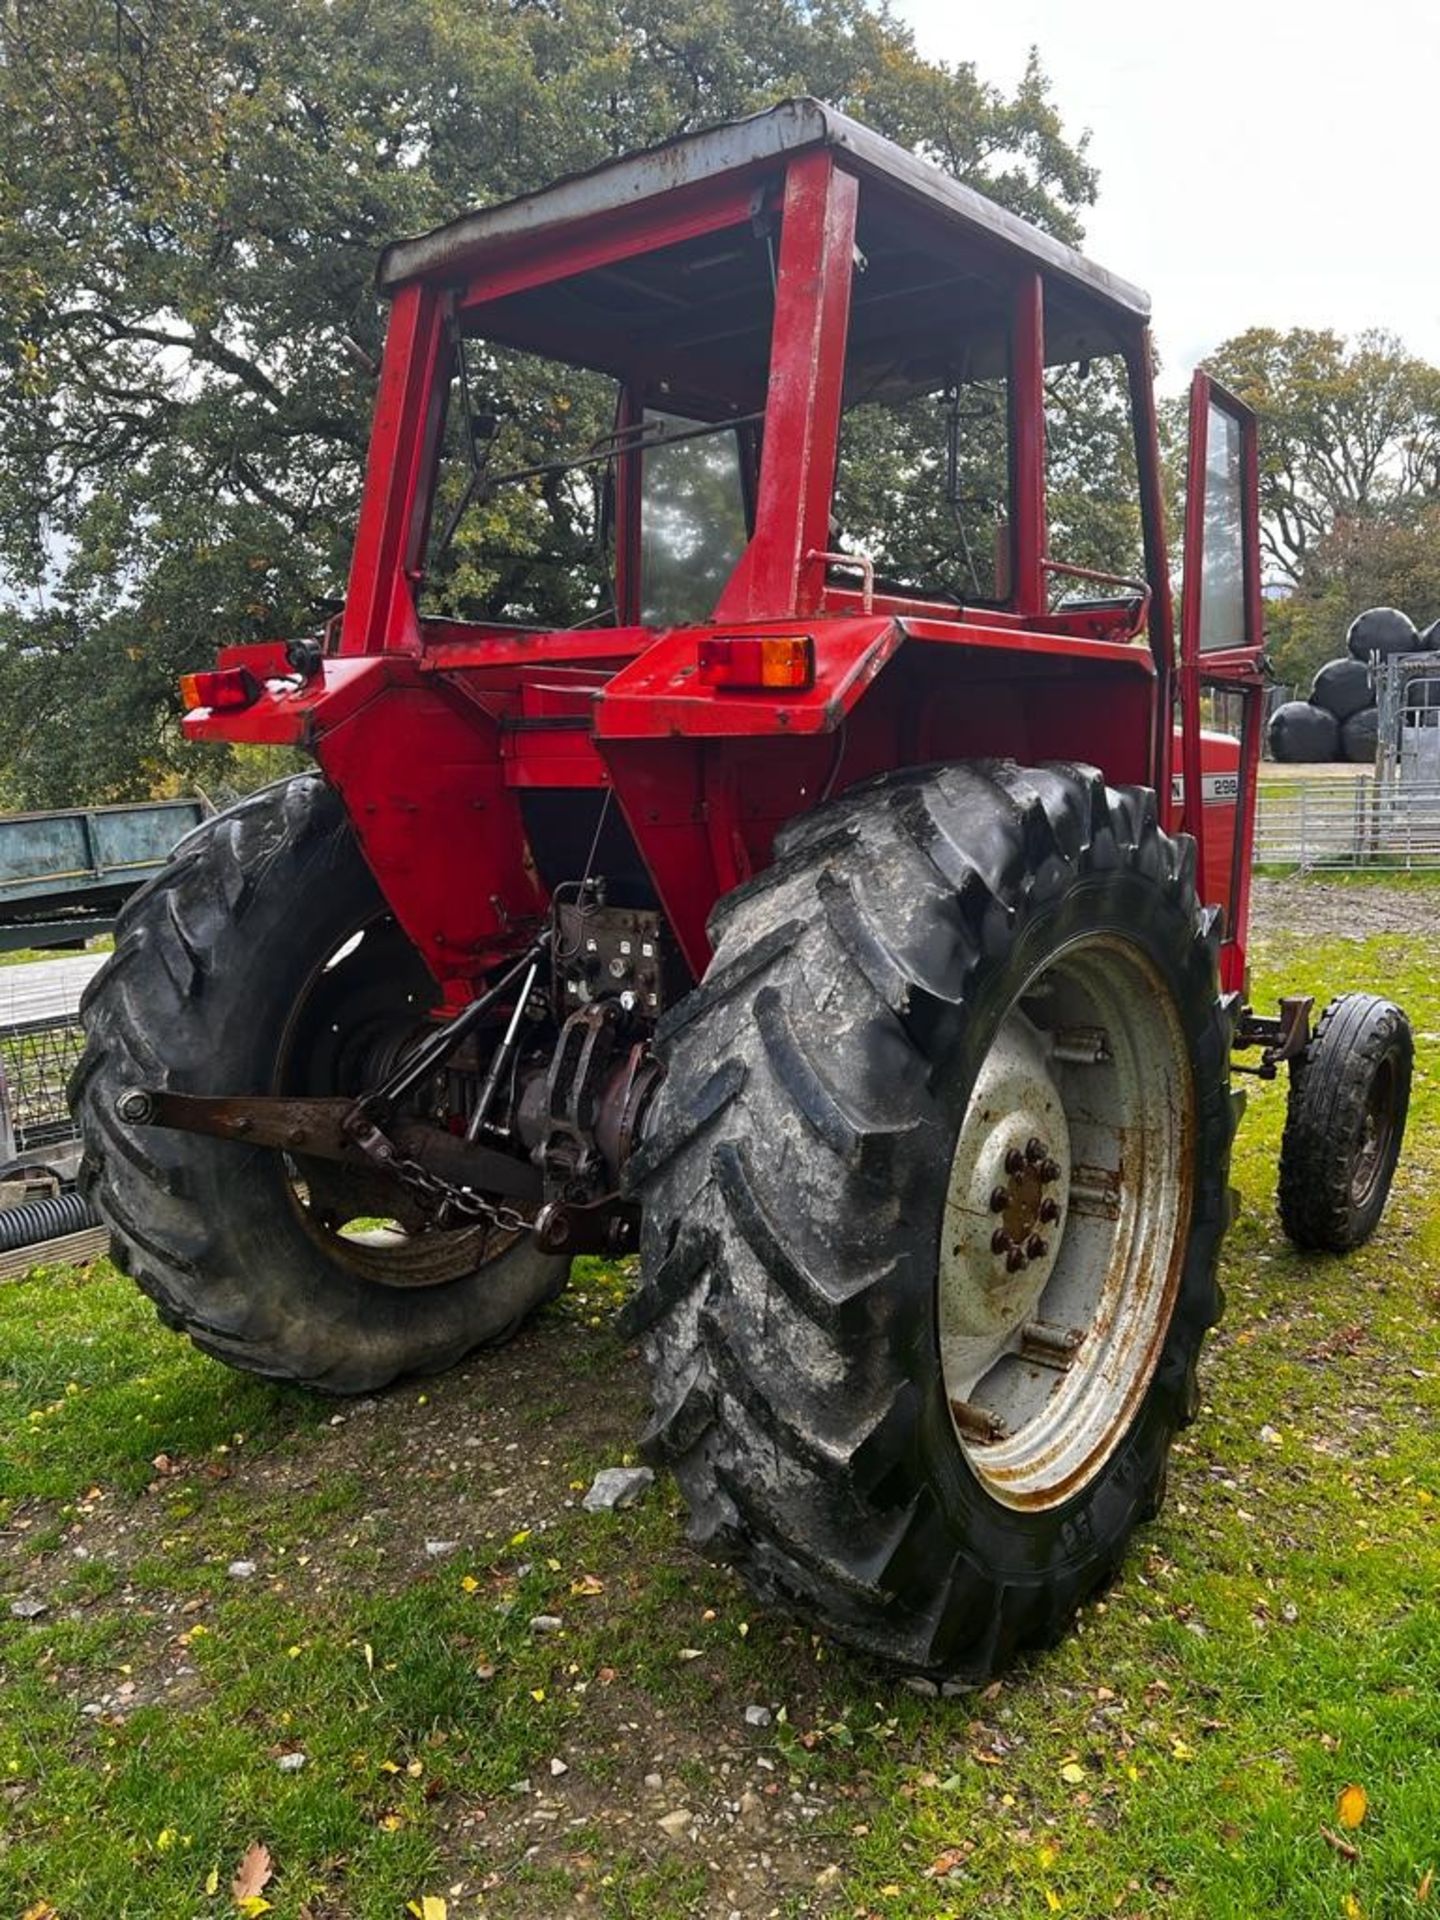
{"x": 745, "y": 145}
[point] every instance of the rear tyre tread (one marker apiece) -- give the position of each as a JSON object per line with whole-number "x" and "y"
{"x": 184, "y": 989}
{"x": 784, "y": 1355}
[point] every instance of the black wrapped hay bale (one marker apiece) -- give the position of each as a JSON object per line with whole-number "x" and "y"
{"x": 1342, "y": 687}
{"x": 1360, "y": 736}
{"x": 1300, "y": 732}
{"x": 1381, "y": 630}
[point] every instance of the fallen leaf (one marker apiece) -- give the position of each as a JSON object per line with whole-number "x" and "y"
{"x": 1422, "y": 1892}
{"x": 212, "y": 1880}
{"x": 469, "y": 1584}
{"x": 1352, "y": 1806}
{"x": 254, "y": 1905}
{"x": 430, "y": 1906}
{"x": 587, "y": 1584}
{"x": 254, "y": 1873}
{"x": 42, "y": 1910}
{"x": 1351, "y": 1908}
{"x": 1072, "y": 1773}
{"x": 1052, "y": 1900}
{"x": 943, "y": 1862}
{"x": 1343, "y": 1847}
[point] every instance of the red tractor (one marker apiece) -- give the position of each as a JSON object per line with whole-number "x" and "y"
{"x": 753, "y": 827}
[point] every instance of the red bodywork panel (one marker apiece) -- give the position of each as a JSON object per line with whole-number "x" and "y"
{"x": 705, "y": 777}
{"x": 435, "y": 732}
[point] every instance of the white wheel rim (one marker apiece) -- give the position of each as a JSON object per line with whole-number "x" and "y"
{"x": 1053, "y": 1306}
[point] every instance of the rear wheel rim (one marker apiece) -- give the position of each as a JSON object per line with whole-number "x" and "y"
{"x": 1066, "y": 1219}
{"x": 373, "y": 1246}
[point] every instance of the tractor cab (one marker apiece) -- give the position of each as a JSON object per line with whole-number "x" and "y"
{"x": 784, "y": 382}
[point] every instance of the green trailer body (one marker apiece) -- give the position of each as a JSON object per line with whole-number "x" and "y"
{"x": 64, "y": 875}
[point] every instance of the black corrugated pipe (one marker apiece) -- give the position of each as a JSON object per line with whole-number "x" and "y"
{"x": 45, "y": 1220}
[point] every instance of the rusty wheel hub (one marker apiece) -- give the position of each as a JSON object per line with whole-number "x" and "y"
{"x": 1065, "y": 1218}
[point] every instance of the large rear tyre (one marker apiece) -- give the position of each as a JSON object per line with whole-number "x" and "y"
{"x": 1344, "y": 1121}
{"x": 239, "y": 970}
{"x": 934, "y": 1192}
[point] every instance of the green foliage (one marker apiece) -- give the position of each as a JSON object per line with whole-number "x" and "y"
{"x": 191, "y": 201}
{"x": 1350, "y": 432}
{"x": 1349, "y": 481}
{"x": 1375, "y": 563}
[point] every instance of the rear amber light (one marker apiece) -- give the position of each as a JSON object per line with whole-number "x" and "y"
{"x": 224, "y": 691}
{"x": 759, "y": 662}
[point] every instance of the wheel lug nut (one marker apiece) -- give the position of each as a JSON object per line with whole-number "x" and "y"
{"x": 1015, "y": 1260}
{"x": 1049, "y": 1171}
{"x": 1000, "y": 1241}
{"x": 1014, "y": 1161}
{"x": 1035, "y": 1151}
{"x": 1049, "y": 1211}
{"x": 999, "y": 1199}
{"x": 1036, "y": 1247}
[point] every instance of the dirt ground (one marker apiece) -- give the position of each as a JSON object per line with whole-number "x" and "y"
{"x": 1310, "y": 907}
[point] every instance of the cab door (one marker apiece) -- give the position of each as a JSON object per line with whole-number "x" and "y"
{"x": 1221, "y": 690}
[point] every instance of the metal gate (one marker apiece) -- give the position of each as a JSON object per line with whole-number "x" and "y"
{"x": 1362, "y": 822}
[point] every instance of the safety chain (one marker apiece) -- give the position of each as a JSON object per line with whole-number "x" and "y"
{"x": 438, "y": 1195}
{"x": 446, "y": 1197}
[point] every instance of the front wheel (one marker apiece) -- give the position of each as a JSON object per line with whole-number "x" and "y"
{"x": 1344, "y": 1121}
{"x": 934, "y": 1193}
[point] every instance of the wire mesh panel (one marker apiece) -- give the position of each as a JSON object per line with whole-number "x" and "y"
{"x": 40, "y": 1041}
{"x": 36, "y": 1057}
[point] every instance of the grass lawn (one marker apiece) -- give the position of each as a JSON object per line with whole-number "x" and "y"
{"x": 26, "y": 956}
{"x": 385, "y": 1717}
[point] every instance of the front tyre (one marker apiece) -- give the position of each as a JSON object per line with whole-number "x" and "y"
{"x": 262, "y": 960}
{"x": 934, "y": 1193}
{"x": 1344, "y": 1121}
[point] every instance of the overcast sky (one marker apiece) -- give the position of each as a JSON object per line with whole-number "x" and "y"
{"x": 1261, "y": 164}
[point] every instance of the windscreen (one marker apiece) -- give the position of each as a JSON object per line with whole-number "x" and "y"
{"x": 1092, "y": 479}
{"x": 521, "y": 527}
{"x": 692, "y": 522}
{"x": 923, "y": 486}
